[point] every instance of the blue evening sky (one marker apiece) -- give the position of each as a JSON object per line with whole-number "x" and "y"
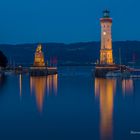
{"x": 27, "y": 21}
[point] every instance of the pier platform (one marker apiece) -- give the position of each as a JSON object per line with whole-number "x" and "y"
{"x": 42, "y": 71}
{"x": 101, "y": 70}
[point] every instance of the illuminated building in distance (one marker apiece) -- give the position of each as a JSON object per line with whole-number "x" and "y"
{"x": 106, "y": 56}
{"x": 39, "y": 68}
{"x": 106, "y": 66}
{"x": 39, "y": 57}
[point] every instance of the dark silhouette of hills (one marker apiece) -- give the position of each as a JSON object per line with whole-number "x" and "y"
{"x": 76, "y": 53}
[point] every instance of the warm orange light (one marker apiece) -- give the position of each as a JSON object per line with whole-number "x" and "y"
{"x": 52, "y": 83}
{"x": 105, "y": 89}
{"x": 55, "y": 84}
{"x": 42, "y": 85}
{"x": 39, "y": 57}
{"x": 39, "y": 85}
{"x": 106, "y": 55}
{"x": 127, "y": 86}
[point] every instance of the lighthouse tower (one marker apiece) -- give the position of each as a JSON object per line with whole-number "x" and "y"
{"x": 106, "y": 56}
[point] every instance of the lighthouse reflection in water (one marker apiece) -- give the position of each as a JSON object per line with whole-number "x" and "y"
{"x": 72, "y": 103}
{"x": 105, "y": 91}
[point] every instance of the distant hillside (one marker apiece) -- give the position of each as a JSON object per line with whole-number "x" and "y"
{"x": 76, "y": 53}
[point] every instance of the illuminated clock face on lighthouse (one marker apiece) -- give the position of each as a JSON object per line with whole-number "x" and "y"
{"x": 106, "y": 56}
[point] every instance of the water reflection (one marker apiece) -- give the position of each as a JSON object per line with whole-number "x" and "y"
{"x": 105, "y": 90}
{"x": 52, "y": 82}
{"x": 127, "y": 87}
{"x": 38, "y": 85}
{"x": 42, "y": 85}
{"x": 3, "y": 80}
{"x": 20, "y": 85}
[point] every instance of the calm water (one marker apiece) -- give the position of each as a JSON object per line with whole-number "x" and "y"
{"x": 71, "y": 105}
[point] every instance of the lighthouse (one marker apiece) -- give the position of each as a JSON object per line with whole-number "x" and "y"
{"x": 106, "y": 63}
{"x": 106, "y": 55}
{"x": 106, "y": 67}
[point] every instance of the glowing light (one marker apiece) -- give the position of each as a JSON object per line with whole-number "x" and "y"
{"x": 55, "y": 84}
{"x": 106, "y": 55}
{"x": 20, "y": 84}
{"x": 52, "y": 83}
{"x": 38, "y": 84}
{"x": 104, "y": 33}
{"x": 105, "y": 89}
{"x": 42, "y": 85}
{"x": 127, "y": 86}
{"x": 39, "y": 57}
